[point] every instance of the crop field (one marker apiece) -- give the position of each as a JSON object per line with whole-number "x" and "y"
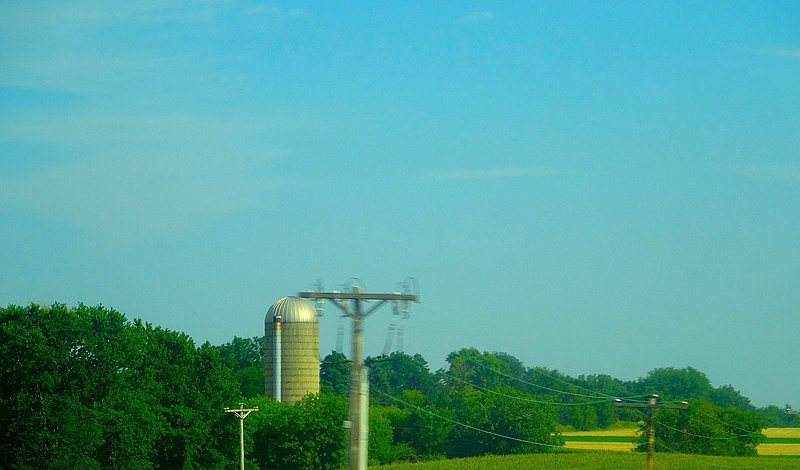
{"x": 780, "y": 441}
{"x": 782, "y": 433}
{"x": 599, "y": 460}
{"x": 620, "y": 440}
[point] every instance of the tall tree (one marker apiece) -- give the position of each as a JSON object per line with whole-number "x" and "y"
{"x": 84, "y": 388}
{"x": 516, "y": 425}
{"x": 305, "y": 436}
{"x": 705, "y": 428}
{"x": 398, "y": 372}
{"x": 472, "y": 368}
{"x": 334, "y": 374}
{"x": 677, "y": 384}
{"x": 245, "y": 357}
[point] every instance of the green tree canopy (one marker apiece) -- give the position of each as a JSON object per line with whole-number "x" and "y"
{"x": 676, "y": 384}
{"x": 245, "y": 357}
{"x": 85, "y": 388}
{"x": 705, "y": 428}
{"x": 398, "y": 372}
{"x": 307, "y": 435}
{"x": 334, "y": 374}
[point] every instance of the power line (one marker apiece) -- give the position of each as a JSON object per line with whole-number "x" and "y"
{"x": 690, "y": 456}
{"x": 452, "y": 421}
{"x": 705, "y": 462}
{"x": 598, "y": 394}
{"x": 746, "y": 432}
{"x": 696, "y": 410}
{"x": 732, "y": 436}
{"x": 651, "y": 405}
{"x": 357, "y": 414}
{"x": 241, "y": 413}
{"x": 495, "y": 392}
{"x": 529, "y": 400}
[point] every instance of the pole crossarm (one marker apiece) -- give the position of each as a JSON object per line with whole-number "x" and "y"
{"x": 651, "y": 406}
{"x": 673, "y": 406}
{"x": 356, "y": 296}
{"x": 353, "y": 305}
{"x": 241, "y": 413}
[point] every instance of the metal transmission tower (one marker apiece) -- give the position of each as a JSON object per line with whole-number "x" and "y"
{"x": 242, "y": 413}
{"x": 354, "y": 305}
{"x": 651, "y": 405}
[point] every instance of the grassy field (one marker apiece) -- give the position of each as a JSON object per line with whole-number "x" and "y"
{"x": 599, "y": 460}
{"x": 780, "y": 441}
{"x": 782, "y": 433}
{"x": 590, "y": 450}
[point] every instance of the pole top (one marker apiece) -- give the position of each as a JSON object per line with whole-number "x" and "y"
{"x": 357, "y": 295}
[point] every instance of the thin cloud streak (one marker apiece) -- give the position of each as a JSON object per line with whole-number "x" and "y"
{"x": 790, "y": 53}
{"x": 492, "y": 173}
{"x": 770, "y": 172}
{"x": 140, "y": 177}
{"x": 476, "y": 18}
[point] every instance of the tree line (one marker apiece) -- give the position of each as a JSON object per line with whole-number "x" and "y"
{"x": 84, "y": 387}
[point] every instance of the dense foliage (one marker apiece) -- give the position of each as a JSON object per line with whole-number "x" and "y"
{"x": 305, "y": 436}
{"x": 705, "y": 428}
{"x": 245, "y": 356}
{"x": 84, "y": 387}
{"x": 599, "y": 461}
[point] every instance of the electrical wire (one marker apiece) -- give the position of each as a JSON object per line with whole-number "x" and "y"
{"x": 747, "y": 432}
{"x": 529, "y": 400}
{"x": 599, "y": 399}
{"x": 495, "y": 392}
{"x": 732, "y": 436}
{"x": 599, "y": 394}
{"x": 604, "y": 399}
{"x": 723, "y": 422}
{"x": 692, "y": 457}
{"x": 458, "y": 423}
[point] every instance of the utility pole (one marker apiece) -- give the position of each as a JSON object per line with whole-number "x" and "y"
{"x": 242, "y": 413}
{"x": 357, "y": 415}
{"x": 651, "y": 405}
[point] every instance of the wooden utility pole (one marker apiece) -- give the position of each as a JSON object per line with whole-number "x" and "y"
{"x": 651, "y": 405}
{"x": 242, "y": 413}
{"x": 357, "y": 449}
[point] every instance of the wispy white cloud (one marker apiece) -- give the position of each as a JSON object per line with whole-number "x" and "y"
{"x": 140, "y": 177}
{"x": 770, "y": 172}
{"x": 300, "y": 13}
{"x": 261, "y": 9}
{"x": 492, "y": 173}
{"x": 58, "y": 50}
{"x": 273, "y": 10}
{"x": 785, "y": 52}
{"x": 476, "y": 18}
{"x": 148, "y": 158}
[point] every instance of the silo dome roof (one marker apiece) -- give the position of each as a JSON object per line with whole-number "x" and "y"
{"x": 292, "y": 310}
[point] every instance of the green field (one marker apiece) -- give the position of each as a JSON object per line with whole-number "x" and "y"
{"x": 598, "y": 438}
{"x": 782, "y": 440}
{"x": 587, "y": 438}
{"x": 599, "y": 460}
{"x": 779, "y": 441}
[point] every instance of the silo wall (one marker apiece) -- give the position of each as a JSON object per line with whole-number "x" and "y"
{"x": 299, "y": 359}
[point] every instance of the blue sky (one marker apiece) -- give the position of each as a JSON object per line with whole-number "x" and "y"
{"x": 592, "y": 187}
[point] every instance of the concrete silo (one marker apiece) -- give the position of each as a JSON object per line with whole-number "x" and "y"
{"x": 291, "y": 350}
